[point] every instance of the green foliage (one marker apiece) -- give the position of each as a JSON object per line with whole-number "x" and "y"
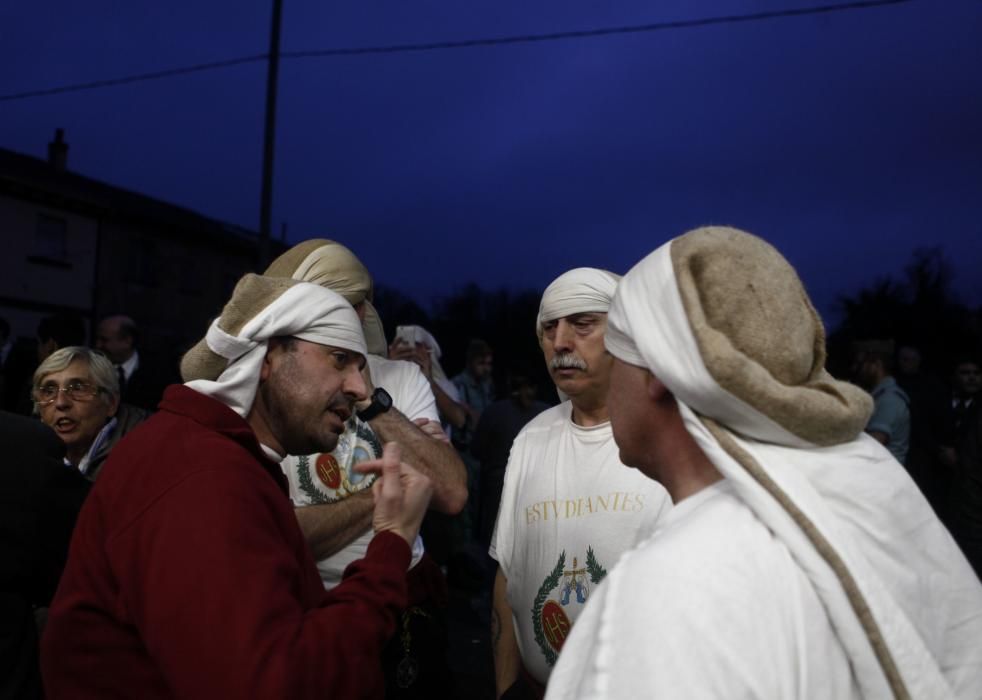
{"x": 552, "y": 580}
{"x": 307, "y": 484}
{"x": 593, "y": 567}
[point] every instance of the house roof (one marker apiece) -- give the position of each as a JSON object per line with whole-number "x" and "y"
{"x": 27, "y": 177}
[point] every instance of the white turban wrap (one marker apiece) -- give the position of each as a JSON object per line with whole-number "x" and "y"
{"x": 332, "y": 265}
{"x": 226, "y": 363}
{"x": 579, "y": 291}
{"x": 722, "y": 320}
{"x": 417, "y": 335}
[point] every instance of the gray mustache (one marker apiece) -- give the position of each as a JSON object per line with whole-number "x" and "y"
{"x": 566, "y": 361}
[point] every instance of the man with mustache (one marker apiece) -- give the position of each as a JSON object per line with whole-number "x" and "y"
{"x": 188, "y": 575}
{"x": 568, "y": 506}
{"x": 800, "y": 561}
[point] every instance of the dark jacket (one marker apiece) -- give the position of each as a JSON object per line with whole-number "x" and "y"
{"x": 127, "y": 418}
{"x": 40, "y": 498}
{"x": 145, "y": 387}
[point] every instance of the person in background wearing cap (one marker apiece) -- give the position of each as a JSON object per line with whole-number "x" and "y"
{"x": 800, "y": 561}
{"x": 568, "y": 506}
{"x": 188, "y": 576}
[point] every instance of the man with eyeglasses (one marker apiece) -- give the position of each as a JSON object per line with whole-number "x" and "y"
{"x": 188, "y": 575}
{"x": 76, "y": 393}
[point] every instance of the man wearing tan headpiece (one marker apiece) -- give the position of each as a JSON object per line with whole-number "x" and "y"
{"x": 800, "y": 560}
{"x": 333, "y": 500}
{"x": 568, "y": 506}
{"x": 188, "y": 575}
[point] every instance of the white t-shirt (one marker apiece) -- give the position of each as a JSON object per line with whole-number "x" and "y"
{"x": 712, "y": 605}
{"x": 569, "y": 508}
{"x": 329, "y": 477}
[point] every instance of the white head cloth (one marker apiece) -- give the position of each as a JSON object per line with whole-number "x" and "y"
{"x": 305, "y": 311}
{"x": 332, "y": 265}
{"x": 581, "y": 290}
{"x": 902, "y": 599}
{"x": 418, "y": 334}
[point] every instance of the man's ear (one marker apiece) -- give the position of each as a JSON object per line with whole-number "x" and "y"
{"x": 267, "y": 366}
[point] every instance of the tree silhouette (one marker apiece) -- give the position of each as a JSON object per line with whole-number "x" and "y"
{"x": 505, "y": 319}
{"x": 920, "y": 309}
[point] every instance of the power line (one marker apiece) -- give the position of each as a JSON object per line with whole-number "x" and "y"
{"x": 467, "y": 43}
{"x": 138, "y": 78}
{"x": 590, "y": 33}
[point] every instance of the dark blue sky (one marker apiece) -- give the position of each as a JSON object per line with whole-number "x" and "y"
{"x": 846, "y": 139}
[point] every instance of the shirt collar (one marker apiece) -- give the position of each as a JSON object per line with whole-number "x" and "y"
{"x": 130, "y": 366}
{"x": 107, "y": 429}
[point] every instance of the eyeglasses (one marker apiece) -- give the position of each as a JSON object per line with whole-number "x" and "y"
{"x": 76, "y": 389}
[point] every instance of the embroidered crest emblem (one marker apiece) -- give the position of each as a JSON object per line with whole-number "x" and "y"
{"x": 555, "y": 624}
{"x": 550, "y": 623}
{"x": 332, "y": 477}
{"x": 328, "y": 471}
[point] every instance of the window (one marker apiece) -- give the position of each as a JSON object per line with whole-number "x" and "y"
{"x": 51, "y": 239}
{"x": 144, "y": 262}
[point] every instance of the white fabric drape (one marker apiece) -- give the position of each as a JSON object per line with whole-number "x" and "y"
{"x": 581, "y": 290}
{"x": 304, "y": 311}
{"x": 921, "y": 592}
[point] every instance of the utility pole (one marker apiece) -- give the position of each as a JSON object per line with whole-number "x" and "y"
{"x": 273, "y": 67}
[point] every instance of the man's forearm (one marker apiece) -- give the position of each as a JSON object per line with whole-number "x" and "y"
{"x": 504, "y": 646}
{"x": 454, "y": 413}
{"x": 436, "y": 459}
{"x": 330, "y": 527}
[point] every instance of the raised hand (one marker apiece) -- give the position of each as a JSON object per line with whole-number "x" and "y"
{"x": 401, "y": 495}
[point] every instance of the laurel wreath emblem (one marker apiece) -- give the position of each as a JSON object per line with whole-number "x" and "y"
{"x": 593, "y": 567}
{"x": 552, "y": 580}
{"x": 307, "y": 483}
{"x": 597, "y": 574}
{"x": 318, "y": 497}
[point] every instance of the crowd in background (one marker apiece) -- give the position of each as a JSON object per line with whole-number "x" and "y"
{"x": 92, "y": 386}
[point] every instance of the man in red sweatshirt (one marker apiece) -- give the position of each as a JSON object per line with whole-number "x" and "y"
{"x": 188, "y": 576}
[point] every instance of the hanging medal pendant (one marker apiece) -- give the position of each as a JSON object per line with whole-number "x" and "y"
{"x": 407, "y": 671}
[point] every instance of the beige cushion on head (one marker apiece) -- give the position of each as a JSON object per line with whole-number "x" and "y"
{"x": 286, "y": 264}
{"x": 332, "y": 265}
{"x": 759, "y": 335}
{"x": 252, "y": 294}
{"x": 327, "y": 263}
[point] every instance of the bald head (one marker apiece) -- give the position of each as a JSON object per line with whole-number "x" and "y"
{"x": 116, "y": 336}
